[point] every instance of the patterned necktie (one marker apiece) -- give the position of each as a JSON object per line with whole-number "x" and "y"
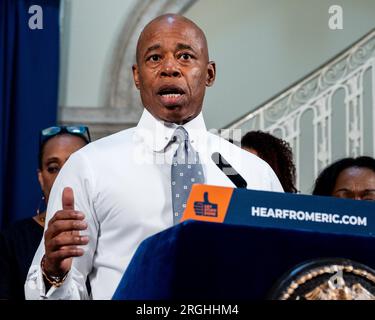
{"x": 186, "y": 170}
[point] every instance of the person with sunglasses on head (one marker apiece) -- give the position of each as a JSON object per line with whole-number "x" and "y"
{"x": 20, "y": 241}
{"x": 123, "y": 188}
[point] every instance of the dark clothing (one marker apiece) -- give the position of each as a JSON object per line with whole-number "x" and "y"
{"x": 18, "y": 245}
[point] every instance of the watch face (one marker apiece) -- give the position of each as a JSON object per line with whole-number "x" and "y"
{"x": 326, "y": 279}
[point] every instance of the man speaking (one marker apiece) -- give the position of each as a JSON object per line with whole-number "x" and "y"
{"x": 121, "y": 189}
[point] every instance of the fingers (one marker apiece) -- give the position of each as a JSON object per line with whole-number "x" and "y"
{"x": 62, "y": 238}
{"x": 60, "y": 250}
{"x": 68, "y": 199}
{"x": 65, "y": 221}
{"x": 66, "y": 240}
{"x": 69, "y": 252}
{"x": 67, "y": 215}
{"x": 63, "y": 226}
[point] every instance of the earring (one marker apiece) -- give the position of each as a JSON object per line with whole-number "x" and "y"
{"x": 41, "y": 208}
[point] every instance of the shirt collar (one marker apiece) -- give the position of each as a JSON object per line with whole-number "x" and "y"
{"x": 156, "y": 134}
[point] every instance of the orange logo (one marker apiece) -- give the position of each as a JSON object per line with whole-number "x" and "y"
{"x": 207, "y": 203}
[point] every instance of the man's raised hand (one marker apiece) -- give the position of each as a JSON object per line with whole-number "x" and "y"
{"x": 62, "y": 238}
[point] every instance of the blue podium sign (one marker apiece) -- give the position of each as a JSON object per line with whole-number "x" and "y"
{"x": 281, "y": 210}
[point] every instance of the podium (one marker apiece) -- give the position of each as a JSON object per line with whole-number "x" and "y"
{"x": 206, "y": 260}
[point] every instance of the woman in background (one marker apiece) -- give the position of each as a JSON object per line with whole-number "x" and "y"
{"x": 19, "y": 242}
{"x": 276, "y": 152}
{"x": 352, "y": 178}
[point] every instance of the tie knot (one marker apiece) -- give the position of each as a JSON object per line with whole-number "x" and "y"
{"x": 181, "y": 135}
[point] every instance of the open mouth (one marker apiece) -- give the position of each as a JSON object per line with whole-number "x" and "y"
{"x": 171, "y": 95}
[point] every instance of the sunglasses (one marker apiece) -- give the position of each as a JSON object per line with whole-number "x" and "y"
{"x": 81, "y": 131}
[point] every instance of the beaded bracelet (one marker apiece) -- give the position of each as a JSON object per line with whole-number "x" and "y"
{"x": 55, "y": 281}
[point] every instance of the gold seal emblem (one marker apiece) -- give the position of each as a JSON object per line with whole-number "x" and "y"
{"x": 327, "y": 279}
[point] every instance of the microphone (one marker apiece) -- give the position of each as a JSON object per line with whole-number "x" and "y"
{"x": 228, "y": 170}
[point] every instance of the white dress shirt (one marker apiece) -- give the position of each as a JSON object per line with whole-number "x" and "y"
{"x": 122, "y": 183}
